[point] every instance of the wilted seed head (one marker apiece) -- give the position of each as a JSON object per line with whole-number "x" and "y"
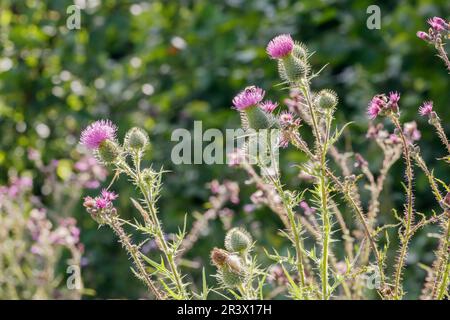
{"x": 108, "y": 151}
{"x": 230, "y": 278}
{"x": 136, "y": 139}
{"x": 293, "y": 69}
{"x": 326, "y": 99}
{"x": 219, "y": 257}
{"x": 238, "y": 240}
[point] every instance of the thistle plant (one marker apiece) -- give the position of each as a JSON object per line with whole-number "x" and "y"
{"x": 237, "y": 271}
{"x": 126, "y": 159}
{"x": 333, "y": 246}
{"x": 32, "y": 245}
{"x": 436, "y": 35}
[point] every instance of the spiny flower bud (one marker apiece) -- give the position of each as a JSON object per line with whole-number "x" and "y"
{"x": 326, "y": 99}
{"x": 230, "y": 278}
{"x": 257, "y": 118}
{"x": 292, "y": 69}
{"x": 238, "y": 240}
{"x": 136, "y": 139}
{"x": 108, "y": 151}
{"x": 300, "y": 51}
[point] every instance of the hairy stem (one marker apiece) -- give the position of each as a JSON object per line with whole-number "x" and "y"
{"x": 133, "y": 251}
{"x": 409, "y": 212}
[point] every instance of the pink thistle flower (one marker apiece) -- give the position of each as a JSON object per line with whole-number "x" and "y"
{"x": 426, "y": 109}
{"x": 109, "y": 195}
{"x": 423, "y": 35}
{"x": 268, "y": 106}
{"x": 286, "y": 118}
{"x": 280, "y": 46}
{"x": 97, "y": 132}
{"x": 375, "y": 107}
{"x": 248, "y": 97}
{"x": 101, "y": 203}
{"x": 394, "y": 98}
{"x": 438, "y": 24}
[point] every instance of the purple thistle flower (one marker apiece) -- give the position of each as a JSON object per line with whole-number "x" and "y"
{"x": 248, "y": 97}
{"x": 286, "y": 118}
{"x": 109, "y": 195}
{"x": 394, "y": 97}
{"x": 375, "y": 107}
{"x": 426, "y": 109}
{"x": 280, "y": 46}
{"x": 97, "y": 132}
{"x": 101, "y": 203}
{"x": 268, "y": 106}
{"x": 438, "y": 24}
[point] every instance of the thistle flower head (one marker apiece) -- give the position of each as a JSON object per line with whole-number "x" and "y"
{"x": 423, "y": 35}
{"x": 426, "y": 109}
{"x": 280, "y": 46}
{"x": 109, "y": 195}
{"x": 101, "y": 203}
{"x": 394, "y": 98}
{"x": 268, "y": 106}
{"x": 438, "y": 24}
{"x": 97, "y": 132}
{"x": 248, "y": 97}
{"x": 286, "y": 118}
{"x": 375, "y": 107}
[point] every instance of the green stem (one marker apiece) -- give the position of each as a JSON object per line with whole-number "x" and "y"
{"x": 409, "y": 212}
{"x": 326, "y": 227}
{"x": 445, "y": 257}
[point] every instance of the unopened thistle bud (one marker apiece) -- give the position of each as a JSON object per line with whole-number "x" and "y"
{"x": 238, "y": 240}
{"x": 230, "y": 278}
{"x": 326, "y": 99}
{"x": 293, "y": 69}
{"x": 300, "y": 51}
{"x": 136, "y": 139}
{"x": 108, "y": 151}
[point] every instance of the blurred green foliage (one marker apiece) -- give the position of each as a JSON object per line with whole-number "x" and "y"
{"x": 163, "y": 64}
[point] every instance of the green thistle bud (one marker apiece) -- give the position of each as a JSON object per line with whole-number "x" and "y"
{"x": 230, "y": 278}
{"x": 257, "y": 119}
{"x": 300, "y": 51}
{"x": 326, "y": 99}
{"x": 108, "y": 151}
{"x": 136, "y": 139}
{"x": 293, "y": 69}
{"x": 238, "y": 240}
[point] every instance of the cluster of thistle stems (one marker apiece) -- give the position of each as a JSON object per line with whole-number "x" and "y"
{"x": 319, "y": 116}
{"x": 308, "y": 275}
